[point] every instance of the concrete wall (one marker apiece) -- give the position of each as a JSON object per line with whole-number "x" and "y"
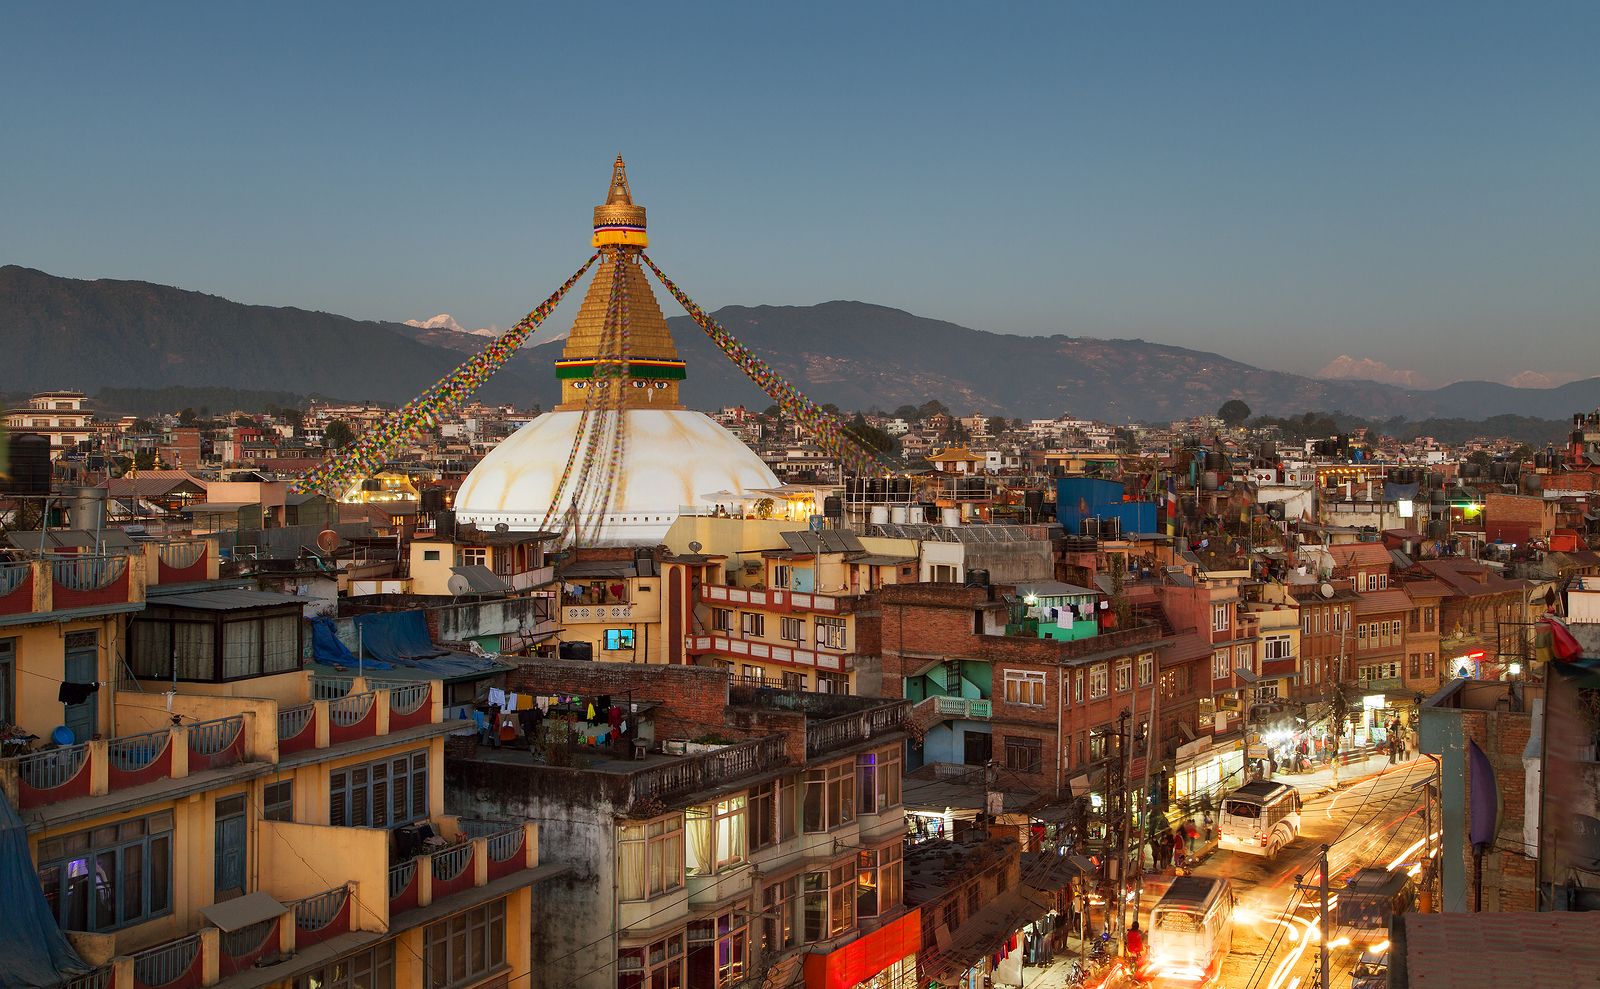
{"x": 574, "y": 916}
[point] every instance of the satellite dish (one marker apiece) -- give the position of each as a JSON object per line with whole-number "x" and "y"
{"x": 694, "y": 546}
{"x": 327, "y": 541}
{"x": 501, "y": 527}
{"x": 458, "y": 585}
{"x": 1325, "y": 589}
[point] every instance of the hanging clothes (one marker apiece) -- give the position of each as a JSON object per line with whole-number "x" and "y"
{"x": 75, "y": 693}
{"x": 497, "y": 697}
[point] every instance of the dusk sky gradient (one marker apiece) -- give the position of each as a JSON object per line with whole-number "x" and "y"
{"x": 1281, "y": 183}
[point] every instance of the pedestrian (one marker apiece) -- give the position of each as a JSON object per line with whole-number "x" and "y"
{"x": 1190, "y": 833}
{"x": 1179, "y": 841}
{"x": 1301, "y": 752}
{"x": 1392, "y": 743}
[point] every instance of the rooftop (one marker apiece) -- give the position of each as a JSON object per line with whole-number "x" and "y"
{"x": 1553, "y": 950}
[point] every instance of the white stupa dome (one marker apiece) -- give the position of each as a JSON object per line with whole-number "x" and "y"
{"x": 673, "y": 458}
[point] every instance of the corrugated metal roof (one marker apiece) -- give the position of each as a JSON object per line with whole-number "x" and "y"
{"x": 229, "y": 600}
{"x": 481, "y": 579}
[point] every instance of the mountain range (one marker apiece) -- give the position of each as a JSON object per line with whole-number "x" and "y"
{"x": 98, "y": 334}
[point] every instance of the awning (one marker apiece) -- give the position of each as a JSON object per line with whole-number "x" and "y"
{"x": 1246, "y": 674}
{"x": 480, "y": 579}
{"x": 241, "y": 912}
{"x": 984, "y": 933}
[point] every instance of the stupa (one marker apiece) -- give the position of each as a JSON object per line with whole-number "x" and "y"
{"x": 672, "y": 458}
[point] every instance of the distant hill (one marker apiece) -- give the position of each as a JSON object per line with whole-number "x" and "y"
{"x": 71, "y": 333}
{"x": 64, "y": 333}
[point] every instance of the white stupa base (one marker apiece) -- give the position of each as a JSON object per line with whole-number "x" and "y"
{"x": 673, "y": 460}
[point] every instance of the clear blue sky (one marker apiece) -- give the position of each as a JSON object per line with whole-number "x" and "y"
{"x": 1281, "y": 182}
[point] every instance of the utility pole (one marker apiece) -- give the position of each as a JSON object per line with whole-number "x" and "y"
{"x": 1321, "y": 888}
{"x": 1124, "y": 749}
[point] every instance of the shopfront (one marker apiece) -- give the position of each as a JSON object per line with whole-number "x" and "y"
{"x": 1205, "y": 768}
{"x": 882, "y": 959}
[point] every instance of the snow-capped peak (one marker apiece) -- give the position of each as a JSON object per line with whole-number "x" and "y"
{"x": 445, "y": 321}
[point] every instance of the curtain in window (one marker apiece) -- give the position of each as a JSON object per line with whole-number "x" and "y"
{"x": 731, "y": 832}
{"x": 630, "y": 863}
{"x": 241, "y": 649}
{"x": 152, "y": 654}
{"x": 280, "y": 641}
{"x": 194, "y": 643}
{"x": 700, "y": 842}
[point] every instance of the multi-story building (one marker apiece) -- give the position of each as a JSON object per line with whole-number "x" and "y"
{"x": 1483, "y": 621}
{"x": 211, "y": 814}
{"x": 718, "y": 835}
{"x": 1327, "y": 636}
{"x": 63, "y": 416}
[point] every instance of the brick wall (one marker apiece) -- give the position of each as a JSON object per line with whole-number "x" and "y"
{"x": 1508, "y": 874}
{"x": 693, "y": 699}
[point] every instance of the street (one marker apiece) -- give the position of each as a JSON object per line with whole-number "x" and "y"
{"x": 1377, "y": 821}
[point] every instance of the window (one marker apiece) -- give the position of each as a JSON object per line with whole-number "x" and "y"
{"x": 650, "y": 857}
{"x": 832, "y": 683}
{"x": 772, "y": 814}
{"x": 831, "y": 633}
{"x": 780, "y": 924}
{"x": 714, "y": 836}
{"x": 1124, "y": 675}
{"x": 719, "y": 947}
{"x": 277, "y": 801}
{"x": 430, "y": 555}
{"x": 1267, "y": 691}
{"x": 722, "y": 619}
{"x": 1278, "y": 647}
{"x": 1220, "y": 668}
{"x": 1077, "y": 687}
{"x": 1219, "y": 617}
{"x": 1147, "y": 669}
{"x": 1305, "y": 628}
{"x": 1427, "y": 664}
{"x": 379, "y": 794}
{"x": 1098, "y": 681}
{"x": 619, "y": 638}
{"x": 792, "y": 629}
{"x": 1024, "y": 754}
{"x": 1361, "y": 636}
{"x": 1024, "y": 688}
{"x": 782, "y": 576}
{"x": 879, "y": 880}
{"x": 794, "y": 681}
{"x": 464, "y": 948}
{"x": 8, "y": 681}
{"x": 656, "y": 966}
{"x": 829, "y": 901}
{"x": 1414, "y": 665}
{"x": 1100, "y": 743}
{"x": 111, "y": 876}
{"x": 474, "y": 556}
{"x": 1427, "y": 619}
{"x": 370, "y": 969}
{"x": 829, "y": 797}
{"x": 753, "y": 623}
{"x": 942, "y": 573}
{"x": 877, "y": 781}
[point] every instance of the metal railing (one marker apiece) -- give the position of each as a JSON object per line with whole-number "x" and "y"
{"x": 165, "y": 963}
{"x": 408, "y": 698}
{"x": 88, "y": 573}
{"x": 52, "y": 767}
{"x": 400, "y": 876}
{"x": 100, "y": 978}
{"x": 12, "y": 576}
{"x": 320, "y": 909}
{"x": 506, "y": 844}
{"x": 450, "y": 863}
{"x": 130, "y": 753}
{"x": 702, "y": 772}
{"x": 212, "y": 737}
{"x": 245, "y": 940}
{"x": 851, "y": 729}
{"x": 350, "y": 709}
{"x": 330, "y": 688}
{"x": 293, "y": 720}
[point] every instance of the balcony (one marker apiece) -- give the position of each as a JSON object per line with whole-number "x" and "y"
{"x": 258, "y": 730}
{"x": 972, "y": 708}
{"x": 773, "y": 600}
{"x": 84, "y": 584}
{"x": 827, "y": 736}
{"x": 590, "y": 614}
{"x": 693, "y": 774}
{"x": 722, "y": 644}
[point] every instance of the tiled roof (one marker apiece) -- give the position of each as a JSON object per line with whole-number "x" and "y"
{"x": 1360, "y": 554}
{"x": 1426, "y": 588}
{"x": 1552, "y": 950}
{"x": 1376, "y": 602}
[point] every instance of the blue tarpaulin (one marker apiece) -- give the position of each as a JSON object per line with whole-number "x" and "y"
{"x": 395, "y": 640}
{"x": 35, "y": 952}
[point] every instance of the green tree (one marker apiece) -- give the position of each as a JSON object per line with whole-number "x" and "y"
{"x": 1233, "y": 412}
{"x": 187, "y": 417}
{"x": 243, "y": 421}
{"x": 906, "y": 412}
{"x": 337, "y": 434}
{"x": 1480, "y": 457}
{"x": 997, "y": 425}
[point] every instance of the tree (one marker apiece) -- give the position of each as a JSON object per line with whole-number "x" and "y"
{"x": 1234, "y": 412}
{"x": 187, "y": 417}
{"x": 906, "y": 412}
{"x": 337, "y": 434}
{"x": 1480, "y": 457}
{"x": 244, "y": 421}
{"x": 997, "y": 425}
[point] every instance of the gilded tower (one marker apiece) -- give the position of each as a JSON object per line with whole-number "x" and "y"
{"x": 654, "y": 368}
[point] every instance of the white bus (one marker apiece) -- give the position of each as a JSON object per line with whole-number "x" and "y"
{"x": 1260, "y": 818}
{"x": 1191, "y": 932}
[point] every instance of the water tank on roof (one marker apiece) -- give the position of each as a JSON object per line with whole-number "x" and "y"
{"x": 950, "y": 517}
{"x": 1033, "y": 500}
{"x": 1216, "y": 461}
{"x": 1209, "y": 480}
{"x": 88, "y": 509}
{"x": 879, "y": 515}
{"x": 1470, "y": 470}
{"x": 30, "y": 465}
{"x": 977, "y": 578}
{"x": 897, "y": 514}
{"x": 833, "y": 506}
{"x": 1532, "y": 483}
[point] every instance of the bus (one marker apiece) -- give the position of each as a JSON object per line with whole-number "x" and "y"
{"x": 1260, "y": 818}
{"x": 1372, "y": 897}
{"x": 1191, "y": 932}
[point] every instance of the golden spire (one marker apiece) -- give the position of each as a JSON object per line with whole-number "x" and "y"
{"x": 654, "y": 368}
{"x": 619, "y": 195}
{"x": 619, "y": 223}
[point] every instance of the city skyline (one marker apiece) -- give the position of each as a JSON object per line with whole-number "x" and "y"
{"x": 1404, "y": 187}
